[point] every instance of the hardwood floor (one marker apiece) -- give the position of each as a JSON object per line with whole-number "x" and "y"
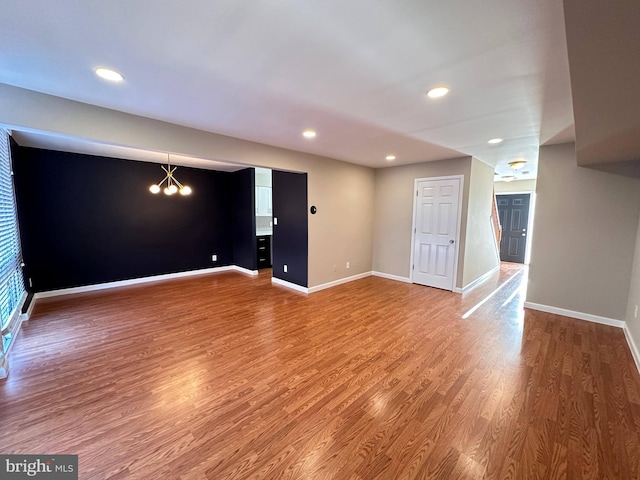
{"x": 225, "y": 376}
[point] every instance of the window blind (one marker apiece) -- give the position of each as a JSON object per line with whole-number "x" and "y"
{"x": 12, "y": 289}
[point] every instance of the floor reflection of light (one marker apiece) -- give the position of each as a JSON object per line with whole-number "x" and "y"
{"x": 378, "y": 404}
{"x": 511, "y": 297}
{"x": 488, "y": 297}
{"x": 181, "y": 392}
{"x": 522, "y": 289}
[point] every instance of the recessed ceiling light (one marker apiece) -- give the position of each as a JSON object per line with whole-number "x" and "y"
{"x": 390, "y": 157}
{"x": 493, "y": 141}
{"x": 108, "y": 74}
{"x": 309, "y": 134}
{"x": 438, "y": 92}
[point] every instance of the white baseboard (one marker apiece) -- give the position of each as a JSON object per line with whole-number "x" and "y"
{"x": 27, "y": 314}
{"x": 635, "y": 353}
{"x": 244, "y": 270}
{"x": 573, "y": 314}
{"x": 467, "y": 288}
{"x": 397, "y": 278}
{"x": 133, "y": 281}
{"x": 339, "y": 282}
{"x": 293, "y": 286}
{"x": 612, "y": 322}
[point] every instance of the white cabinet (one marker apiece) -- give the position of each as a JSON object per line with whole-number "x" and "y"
{"x": 263, "y": 202}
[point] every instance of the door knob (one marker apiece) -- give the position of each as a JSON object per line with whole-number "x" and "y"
{"x": 451, "y": 242}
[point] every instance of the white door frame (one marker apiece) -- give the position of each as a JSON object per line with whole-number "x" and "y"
{"x": 413, "y": 222}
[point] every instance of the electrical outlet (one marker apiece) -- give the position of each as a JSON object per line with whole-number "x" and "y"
{"x": 214, "y": 258}
{"x": 348, "y": 264}
{"x": 275, "y": 220}
{"x": 285, "y": 269}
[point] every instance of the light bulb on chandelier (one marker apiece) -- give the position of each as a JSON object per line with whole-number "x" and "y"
{"x": 173, "y": 185}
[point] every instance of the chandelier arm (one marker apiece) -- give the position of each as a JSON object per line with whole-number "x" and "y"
{"x": 162, "y": 181}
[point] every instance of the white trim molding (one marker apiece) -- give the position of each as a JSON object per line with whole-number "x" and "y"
{"x": 292, "y": 286}
{"x": 340, "y": 281}
{"x": 482, "y": 278}
{"x": 27, "y": 315}
{"x": 244, "y": 270}
{"x": 612, "y": 322}
{"x": 388, "y": 276}
{"x": 635, "y": 353}
{"x": 134, "y": 281}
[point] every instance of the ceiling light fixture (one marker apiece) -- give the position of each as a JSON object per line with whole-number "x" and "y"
{"x": 390, "y": 158}
{"x": 494, "y": 141}
{"x": 108, "y": 74}
{"x": 173, "y": 185}
{"x": 517, "y": 164}
{"x": 438, "y": 92}
{"x": 309, "y": 134}
{"x": 508, "y": 178}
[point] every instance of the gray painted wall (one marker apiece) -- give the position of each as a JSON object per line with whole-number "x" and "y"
{"x": 633, "y": 319}
{"x": 393, "y": 207}
{"x": 341, "y": 231}
{"x": 480, "y": 253}
{"x": 518, "y": 186}
{"x": 585, "y": 234}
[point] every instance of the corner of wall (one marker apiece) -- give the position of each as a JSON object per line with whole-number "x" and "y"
{"x": 480, "y": 252}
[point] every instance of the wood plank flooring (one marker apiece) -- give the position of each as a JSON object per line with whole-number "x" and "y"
{"x": 225, "y": 376}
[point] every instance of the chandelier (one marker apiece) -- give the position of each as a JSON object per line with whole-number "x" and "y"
{"x": 173, "y": 185}
{"x": 517, "y": 164}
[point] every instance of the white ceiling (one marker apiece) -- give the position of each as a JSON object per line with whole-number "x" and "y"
{"x": 356, "y": 71}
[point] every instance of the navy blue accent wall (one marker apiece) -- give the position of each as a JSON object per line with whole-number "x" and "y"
{"x": 290, "y": 235}
{"x": 87, "y": 219}
{"x": 244, "y": 219}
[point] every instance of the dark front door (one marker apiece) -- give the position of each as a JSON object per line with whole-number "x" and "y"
{"x": 514, "y": 219}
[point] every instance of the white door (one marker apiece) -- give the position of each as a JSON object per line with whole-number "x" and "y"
{"x": 436, "y": 232}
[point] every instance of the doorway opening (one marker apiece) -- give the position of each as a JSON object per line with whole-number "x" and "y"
{"x": 515, "y": 211}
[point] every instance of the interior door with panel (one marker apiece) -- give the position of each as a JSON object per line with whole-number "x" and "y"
{"x": 513, "y": 211}
{"x": 436, "y": 232}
